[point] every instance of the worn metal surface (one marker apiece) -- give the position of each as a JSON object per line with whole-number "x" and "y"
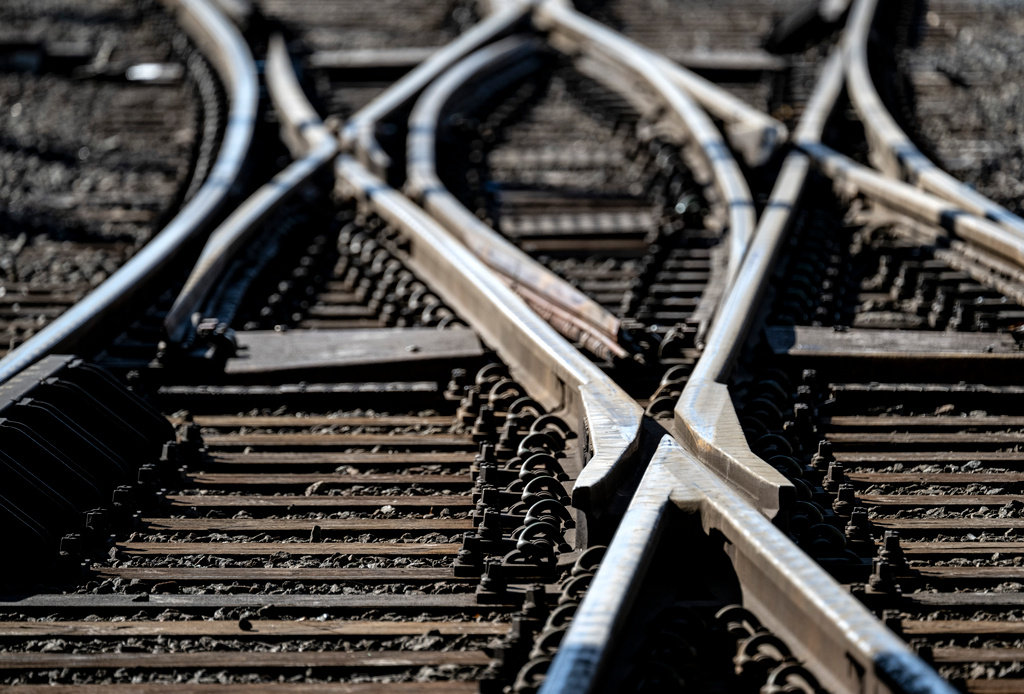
{"x": 589, "y": 646}
{"x": 693, "y": 124}
{"x": 554, "y": 372}
{"x": 754, "y": 134}
{"x": 852, "y": 178}
{"x": 359, "y": 134}
{"x": 301, "y": 127}
{"x": 705, "y": 419}
{"x": 221, "y": 42}
{"x": 240, "y": 226}
{"x": 513, "y": 56}
{"x": 794, "y": 597}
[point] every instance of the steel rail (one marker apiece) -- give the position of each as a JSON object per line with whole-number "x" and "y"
{"x": 783, "y": 586}
{"x": 851, "y": 177}
{"x": 596, "y": 40}
{"x": 825, "y": 624}
{"x": 891, "y": 150}
{"x": 705, "y": 420}
{"x": 827, "y": 628}
{"x": 753, "y": 133}
{"x": 310, "y": 140}
{"x": 358, "y": 135}
{"x": 791, "y": 593}
{"x": 224, "y": 46}
{"x": 552, "y": 370}
{"x": 544, "y": 290}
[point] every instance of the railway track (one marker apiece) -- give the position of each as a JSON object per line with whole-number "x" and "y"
{"x": 599, "y": 205}
{"x": 352, "y": 52}
{"x": 270, "y": 554}
{"x": 460, "y": 399}
{"x": 131, "y": 282}
{"x": 568, "y": 207}
{"x": 79, "y": 201}
{"x": 763, "y": 52}
{"x": 888, "y": 474}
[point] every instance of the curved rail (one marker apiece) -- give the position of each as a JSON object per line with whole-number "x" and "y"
{"x": 923, "y": 207}
{"x": 691, "y": 122}
{"x": 833, "y": 629}
{"x": 829, "y": 629}
{"x": 854, "y": 178}
{"x": 892, "y": 151}
{"x": 791, "y": 594}
{"x": 359, "y": 134}
{"x": 575, "y": 314}
{"x": 221, "y": 42}
{"x": 705, "y": 419}
{"x": 317, "y": 146}
{"x": 754, "y": 134}
{"x": 597, "y": 40}
{"x": 552, "y": 370}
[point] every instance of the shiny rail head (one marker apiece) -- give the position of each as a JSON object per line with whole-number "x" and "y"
{"x": 456, "y": 263}
{"x": 575, "y": 314}
{"x": 358, "y": 134}
{"x": 224, "y": 46}
{"x": 308, "y": 133}
{"x": 553, "y": 371}
{"x": 852, "y": 179}
{"x": 689, "y": 122}
{"x": 301, "y": 126}
{"x": 568, "y": 377}
{"x": 835, "y": 637}
{"x": 754, "y": 134}
{"x": 705, "y": 418}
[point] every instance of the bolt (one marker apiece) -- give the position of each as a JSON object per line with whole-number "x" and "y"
{"x": 858, "y": 531}
{"x": 834, "y": 478}
{"x": 846, "y": 500}
{"x": 820, "y": 460}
